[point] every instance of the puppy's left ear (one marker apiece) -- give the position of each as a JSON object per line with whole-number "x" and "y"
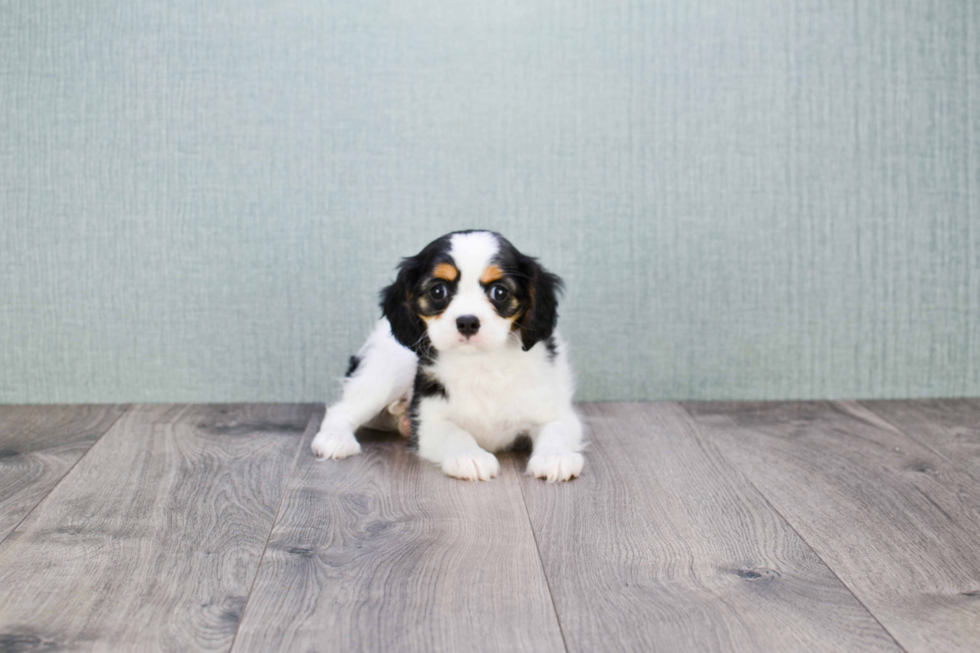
{"x": 541, "y": 313}
{"x": 396, "y": 305}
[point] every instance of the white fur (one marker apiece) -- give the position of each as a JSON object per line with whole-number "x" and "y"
{"x": 496, "y": 391}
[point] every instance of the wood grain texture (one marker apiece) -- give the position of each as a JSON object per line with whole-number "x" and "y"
{"x": 382, "y": 552}
{"x": 950, "y": 427}
{"x": 662, "y": 545}
{"x": 38, "y": 446}
{"x": 153, "y": 541}
{"x": 895, "y": 521}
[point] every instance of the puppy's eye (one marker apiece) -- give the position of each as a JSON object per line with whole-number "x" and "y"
{"x": 498, "y": 293}
{"x": 438, "y": 291}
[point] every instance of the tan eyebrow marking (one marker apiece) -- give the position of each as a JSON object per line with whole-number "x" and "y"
{"x": 445, "y": 271}
{"x": 491, "y": 274}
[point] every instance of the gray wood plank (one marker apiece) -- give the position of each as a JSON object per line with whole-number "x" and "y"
{"x": 38, "y": 446}
{"x": 382, "y": 552}
{"x": 153, "y": 541}
{"x": 663, "y": 545}
{"x": 951, "y": 427}
{"x": 896, "y": 522}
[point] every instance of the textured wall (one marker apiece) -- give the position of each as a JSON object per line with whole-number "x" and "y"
{"x": 747, "y": 198}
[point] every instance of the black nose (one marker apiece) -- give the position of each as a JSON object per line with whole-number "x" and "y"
{"x": 468, "y": 325}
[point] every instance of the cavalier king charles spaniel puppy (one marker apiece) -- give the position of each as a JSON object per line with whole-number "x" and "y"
{"x": 466, "y": 360}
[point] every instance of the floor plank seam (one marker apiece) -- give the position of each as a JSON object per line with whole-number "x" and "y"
{"x": 128, "y": 407}
{"x": 537, "y": 549}
{"x": 272, "y": 528}
{"x": 910, "y": 436}
{"x": 700, "y": 436}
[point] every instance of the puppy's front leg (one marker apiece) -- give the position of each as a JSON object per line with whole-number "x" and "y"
{"x": 382, "y": 374}
{"x": 451, "y": 447}
{"x": 557, "y": 444}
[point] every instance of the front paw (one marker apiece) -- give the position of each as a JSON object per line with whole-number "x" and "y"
{"x": 472, "y": 465}
{"x": 556, "y": 466}
{"x": 335, "y": 442}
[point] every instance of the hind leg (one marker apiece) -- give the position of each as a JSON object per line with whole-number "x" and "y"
{"x": 382, "y": 374}
{"x": 395, "y": 417}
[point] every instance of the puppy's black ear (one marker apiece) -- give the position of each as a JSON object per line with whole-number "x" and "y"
{"x": 541, "y": 313}
{"x": 396, "y": 305}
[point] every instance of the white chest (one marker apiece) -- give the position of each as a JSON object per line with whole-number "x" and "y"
{"x": 496, "y": 398}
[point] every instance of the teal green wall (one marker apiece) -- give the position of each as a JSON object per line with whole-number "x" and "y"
{"x": 747, "y": 198}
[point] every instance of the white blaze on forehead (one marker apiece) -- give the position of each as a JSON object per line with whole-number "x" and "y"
{"x": 473, "y": 252}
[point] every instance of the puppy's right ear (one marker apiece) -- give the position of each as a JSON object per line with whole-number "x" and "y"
{"x": 397, "y": 305}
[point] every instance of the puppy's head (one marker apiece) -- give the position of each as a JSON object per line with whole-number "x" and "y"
{"x": 471, "y": 291}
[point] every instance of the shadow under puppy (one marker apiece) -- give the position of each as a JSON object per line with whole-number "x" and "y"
{"x": 466, "y": 359}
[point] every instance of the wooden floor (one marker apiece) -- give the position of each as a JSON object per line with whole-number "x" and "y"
{"x": 845, "y": 526}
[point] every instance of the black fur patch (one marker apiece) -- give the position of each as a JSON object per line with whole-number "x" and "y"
{"x": 425, "y": 386}
{"x": 536, "y": 289}
{"x": 352, "y": 365}
{"x": 408, "y": 298}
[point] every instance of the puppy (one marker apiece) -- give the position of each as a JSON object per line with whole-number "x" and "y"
{"x": 466, "y": 359}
